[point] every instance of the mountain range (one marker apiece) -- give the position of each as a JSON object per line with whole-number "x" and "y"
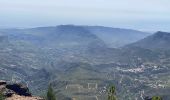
{"x": 65, "y": 55}
{"x": 112, "y": 37}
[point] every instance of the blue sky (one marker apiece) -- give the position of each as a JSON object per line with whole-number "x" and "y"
{"x": 147, "y": 15}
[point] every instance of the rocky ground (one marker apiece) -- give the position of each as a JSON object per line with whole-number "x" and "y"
{"x": 16, "y": 91}
{"x": 18, "y": 97}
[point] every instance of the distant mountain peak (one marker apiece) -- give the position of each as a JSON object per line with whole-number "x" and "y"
{"x": 161, "y": 35}
{"x": 72, "y": 29}
{"x": 159, "y": 40}
{"x": 161, "y": 32}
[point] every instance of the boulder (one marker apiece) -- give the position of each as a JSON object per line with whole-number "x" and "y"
{"x": 2, "y": 82}
{"x": 2, "y": 86}
{"x": 19, "y": 89}
{"x": 8, "y": 93}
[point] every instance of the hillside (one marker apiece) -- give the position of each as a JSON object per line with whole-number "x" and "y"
{"x": 112, "y": 37}
{"x": 117, "y": 37}
{"x": 159, "y": 41}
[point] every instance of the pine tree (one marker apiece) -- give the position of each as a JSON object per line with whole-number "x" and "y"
{"x": 112, "y": 93}
{"x": 50, "y": 93}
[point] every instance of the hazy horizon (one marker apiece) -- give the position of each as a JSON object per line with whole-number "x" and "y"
{"x": 131, "y": 14}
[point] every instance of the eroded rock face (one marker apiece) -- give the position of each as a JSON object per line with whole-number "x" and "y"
{"x": 16, "y": 91}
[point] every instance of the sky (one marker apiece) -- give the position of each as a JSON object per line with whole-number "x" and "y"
{"x": 146, "y": 15}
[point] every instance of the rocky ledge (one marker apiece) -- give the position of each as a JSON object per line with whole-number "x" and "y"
{"x": 16, "y": 91}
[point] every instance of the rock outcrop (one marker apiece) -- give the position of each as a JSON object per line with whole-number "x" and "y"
{"x": 16, "y": 91}
{"x": 19, "y": 89}
{"x": 2, "y": 82}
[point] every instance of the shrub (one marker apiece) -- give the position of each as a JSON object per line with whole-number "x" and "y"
{"x": 112, "y": 93}
{"x": 50, "y": 93}
{"x": 1, "y": 96}
{"x": 156, "y": 98}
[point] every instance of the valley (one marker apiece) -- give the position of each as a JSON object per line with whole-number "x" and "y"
{"x": 81, "y": 65}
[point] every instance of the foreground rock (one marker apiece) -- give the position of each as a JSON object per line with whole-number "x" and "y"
{"x": 16, "y": 91}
